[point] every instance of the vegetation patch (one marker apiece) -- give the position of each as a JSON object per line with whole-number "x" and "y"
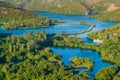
{"x": 91, "y": 26}
{"x": 30, "y": 57}
{"x": 82, "y": 63}
{"x": 107, "y": 73}
{"x": 108, "y": 16}
{"x": 14, "y": 18}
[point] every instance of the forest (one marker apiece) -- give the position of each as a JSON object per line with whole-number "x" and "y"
{"x": 109, "y": 50}
{"x": 30, "y": 57}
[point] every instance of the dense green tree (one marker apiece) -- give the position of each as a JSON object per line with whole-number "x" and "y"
{"x": 106, "y": 73}
{"x": 82, "y": 62}
{"x": 29, "y": 57}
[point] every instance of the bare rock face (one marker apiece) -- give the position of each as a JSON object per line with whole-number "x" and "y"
{"x": 91, "y": 2}
{"x": 112, "y": 7}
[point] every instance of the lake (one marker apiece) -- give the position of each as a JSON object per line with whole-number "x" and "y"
{"x": 67, "y": 27}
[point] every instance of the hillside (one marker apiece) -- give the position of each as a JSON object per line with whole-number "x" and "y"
{"x": 110, "y": 10}
{"x": 101, "y": 6}
{"x": 72, "y": 8}
{"x": 68, "y": 6}
{"x": 113, "y": 16}
{"x": 57, "y": 6}
{"x": 13, "y": 17}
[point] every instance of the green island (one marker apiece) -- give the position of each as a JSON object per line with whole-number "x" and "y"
{"x": 82, "y": 63}
{"x": 16, "y": 18}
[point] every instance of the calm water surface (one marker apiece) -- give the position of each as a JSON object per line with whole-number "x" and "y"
{"x": 68, "y": 53}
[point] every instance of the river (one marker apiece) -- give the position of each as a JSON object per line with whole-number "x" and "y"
{"x": 67, "y": 27}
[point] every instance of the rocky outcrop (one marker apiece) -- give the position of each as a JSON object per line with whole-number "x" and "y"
{"x": 113, "y": 7}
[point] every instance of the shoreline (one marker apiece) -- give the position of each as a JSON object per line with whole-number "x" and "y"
{"x": 91, "y": 26}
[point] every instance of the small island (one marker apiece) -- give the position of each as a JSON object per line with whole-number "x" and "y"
{"x": 82, "y": 63}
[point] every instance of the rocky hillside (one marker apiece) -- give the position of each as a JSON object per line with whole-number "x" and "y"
{"x": 109, "y": 11}
{"x": 57, "y": 6}
{"x": 80, "y": 7}
{"x": 69, "y": 6}
{"x": 73, "y": 8}
{"x": 106, "y": 6}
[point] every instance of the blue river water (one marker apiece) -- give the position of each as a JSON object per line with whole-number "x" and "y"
{"x": 67, "y": 27}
